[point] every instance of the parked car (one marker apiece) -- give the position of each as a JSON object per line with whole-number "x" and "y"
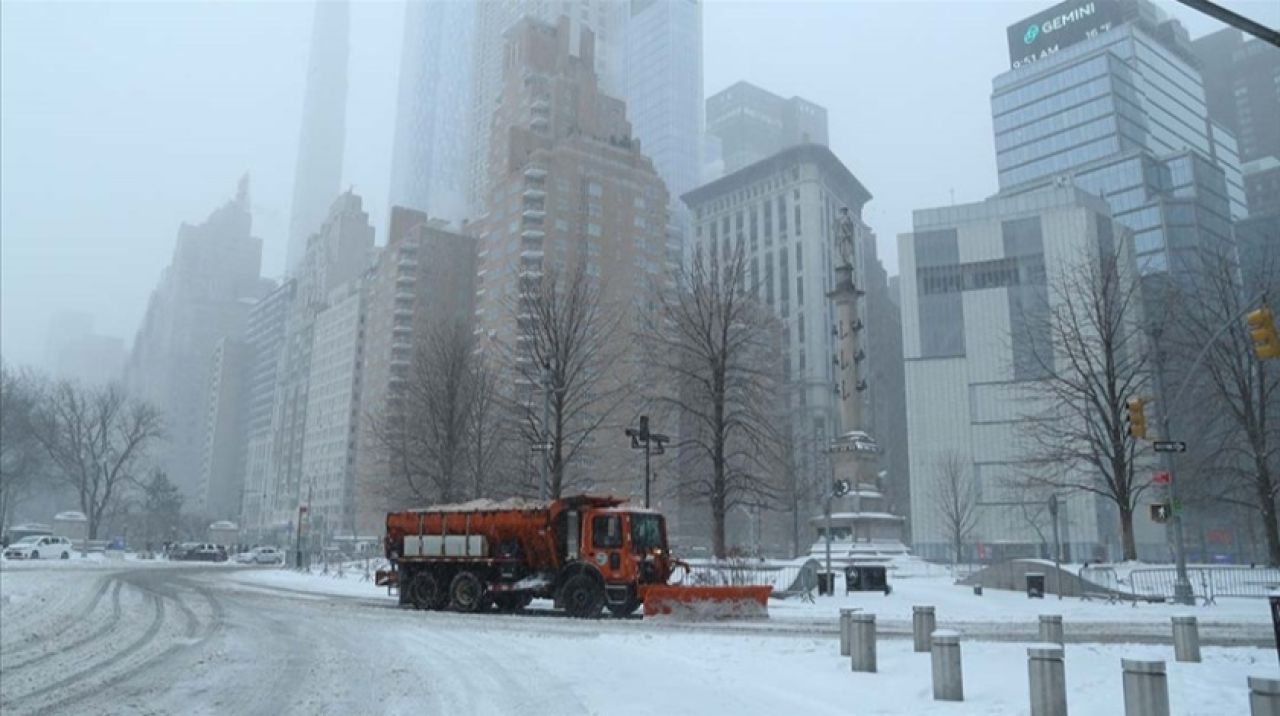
{"x": 246, "y": 557}
{"x": 202, "y": 552}
{"x": 267, "y": 555}
{"x": 40, "y": 547}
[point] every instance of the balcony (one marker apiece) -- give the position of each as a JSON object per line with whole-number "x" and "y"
{"x": 532, "y": 172}
{"x": 533, "y": 234}
{"x": 534, "y": 214}
{"x": 531, "y": 255}
{"x": 539, "y": 123}
{"x": 535, "y": 194}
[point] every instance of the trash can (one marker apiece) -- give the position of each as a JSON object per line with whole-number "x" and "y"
{"x": 866, "y": 578}
{"x": 1035, "y": 585}
{"x": 826, "y": 583}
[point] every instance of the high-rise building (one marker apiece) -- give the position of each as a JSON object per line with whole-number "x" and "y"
{"x": 971, "y": 276}
{"x": 1262, "y": 185}
{"x": 1110, "y": 99}
{"x": 331, "y": 435}
{"x": 74, "y": 351}
{"x": 754, "y": 123}
{"x": 318, "y": 173}
{"x": 451, "y": 74}
{"x": 337, "y": 256}
{"x": 569, "y": 186}
{"x": 430, "y": 166}
{"x": 222, "y": 462}
{"x": 264, "y": 342}
{"x": 782, "y": 211}
{"x": 423, "y": 280}
{"x": 664, "y": 99}
{"x": 203, "y": 296}
{"x": 1242, "y": 89}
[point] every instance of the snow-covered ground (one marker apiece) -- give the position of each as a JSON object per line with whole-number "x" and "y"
{"x": 171, "y": 638}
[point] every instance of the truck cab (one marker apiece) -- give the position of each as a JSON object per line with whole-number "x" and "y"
{"x": 628, "y": 547}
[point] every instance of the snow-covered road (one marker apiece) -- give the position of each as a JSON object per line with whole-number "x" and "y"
{"x": 163, "y": 639}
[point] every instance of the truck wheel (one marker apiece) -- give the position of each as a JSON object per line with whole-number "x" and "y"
{"x": 425, "y": 591}
{"x": 583, "y": 597}
{"x": 466, "y": 593}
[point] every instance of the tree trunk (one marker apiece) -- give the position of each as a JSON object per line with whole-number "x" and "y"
{"x": 1270, "y": 525}
{"x": 1128, "y": 544}
{"x": 717, "y": 527}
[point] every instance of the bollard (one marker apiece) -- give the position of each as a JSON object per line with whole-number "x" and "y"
{"x": 1264, "y": 696}
{"x": 1186, "y": 639}
{"x": 922, "y": 625}
{"x": 1146, "y": 689}
{"x": 948, "y": 681}
{"x": 1048, "y": 680}
{"x": 862, "y": 642}
{"x": 1051, "y": 628}
{"x": 845, "y": 626}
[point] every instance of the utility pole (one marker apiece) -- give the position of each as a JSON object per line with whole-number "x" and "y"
{"x": 1182, "y": 593}
{"x": 545, "y": 488}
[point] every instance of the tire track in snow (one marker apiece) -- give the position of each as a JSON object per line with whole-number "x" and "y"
{"x": 53, "y": 648}
{"x": 34, "y": 639}
{"x": 95, "y": 667}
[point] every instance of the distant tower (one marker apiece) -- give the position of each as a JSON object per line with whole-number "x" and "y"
{"x": 318, "y": 175}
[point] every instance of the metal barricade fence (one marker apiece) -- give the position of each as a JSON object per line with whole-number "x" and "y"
{"x": 745, "y": 574}
{"x": 1207, "y": 583}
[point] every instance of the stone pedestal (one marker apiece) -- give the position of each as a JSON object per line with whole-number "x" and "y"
{"x": 948, "y": 679}
{"x": 923, "y": 624}
{"x": 1048, "y": 679}
{"x": 862, "y": 642}
{"x": 1146, "y": 688}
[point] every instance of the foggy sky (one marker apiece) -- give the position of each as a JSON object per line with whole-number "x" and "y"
{"x": 119, "y": 121}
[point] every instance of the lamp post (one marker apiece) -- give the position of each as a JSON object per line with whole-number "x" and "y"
{"x": 642, "y": 439}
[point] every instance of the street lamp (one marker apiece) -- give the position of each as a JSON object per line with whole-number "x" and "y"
{"x": 642, "y": 439}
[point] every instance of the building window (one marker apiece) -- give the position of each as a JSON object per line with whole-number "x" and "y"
{"x": 797, "y": 219}
{"x": 753, "y": 222}
{"x": 800, "y": 291}
{"x": 782, "y": 214}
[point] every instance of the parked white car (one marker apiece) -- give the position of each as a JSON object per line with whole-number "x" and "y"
{"x": 38, "y": 547}
{"x": 267, "y": 555}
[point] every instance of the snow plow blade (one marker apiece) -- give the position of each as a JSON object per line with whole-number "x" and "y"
{"x": 696, "y": 603}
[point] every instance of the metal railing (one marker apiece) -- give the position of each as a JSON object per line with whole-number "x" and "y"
{"x": 782, "y": 577}
{"x": 1207, "y": 583}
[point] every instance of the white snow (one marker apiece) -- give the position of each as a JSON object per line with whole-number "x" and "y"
{"x": 279, "y": 641}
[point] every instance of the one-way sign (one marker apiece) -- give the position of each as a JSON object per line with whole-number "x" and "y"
{"x": 1169, "y": 446}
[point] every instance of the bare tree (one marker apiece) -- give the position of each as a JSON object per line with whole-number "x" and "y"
{"x": 97, "y": 441}
{"x": 955, "y": 500}
{"x": 1089, "y": 352}
{"x": 422, "y": 431}
{"x": 1242, "y": 428}
{"x": 566, "y": 329}
{"x": 715, "y": 346}
{"x": 21, "y": 457}
{"x": 489, "y": 431}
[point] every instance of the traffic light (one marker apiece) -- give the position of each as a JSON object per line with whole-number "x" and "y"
{"x": 1262, "y": 328}
{"x": 1138, "y": 417}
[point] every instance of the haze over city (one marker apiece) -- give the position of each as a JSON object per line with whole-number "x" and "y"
{"x": 121, "y": 120}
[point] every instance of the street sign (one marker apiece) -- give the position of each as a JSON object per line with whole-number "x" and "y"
{"x": 1160, "y": 478}
{"x": 1160, "y": 513}
{"x": 1169, "y": 446}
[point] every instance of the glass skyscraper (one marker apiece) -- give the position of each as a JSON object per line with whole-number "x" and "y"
{"x": 663, "y": 68}
{"x": 1111, "y": 99}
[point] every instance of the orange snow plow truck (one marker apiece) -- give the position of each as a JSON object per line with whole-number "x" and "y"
{"x": 584, "y": 553}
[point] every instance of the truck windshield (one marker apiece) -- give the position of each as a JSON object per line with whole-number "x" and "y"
{"x": 646, "y": 532}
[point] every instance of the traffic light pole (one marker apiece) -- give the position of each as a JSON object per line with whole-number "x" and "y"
{"x": 1182, "y": 593}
